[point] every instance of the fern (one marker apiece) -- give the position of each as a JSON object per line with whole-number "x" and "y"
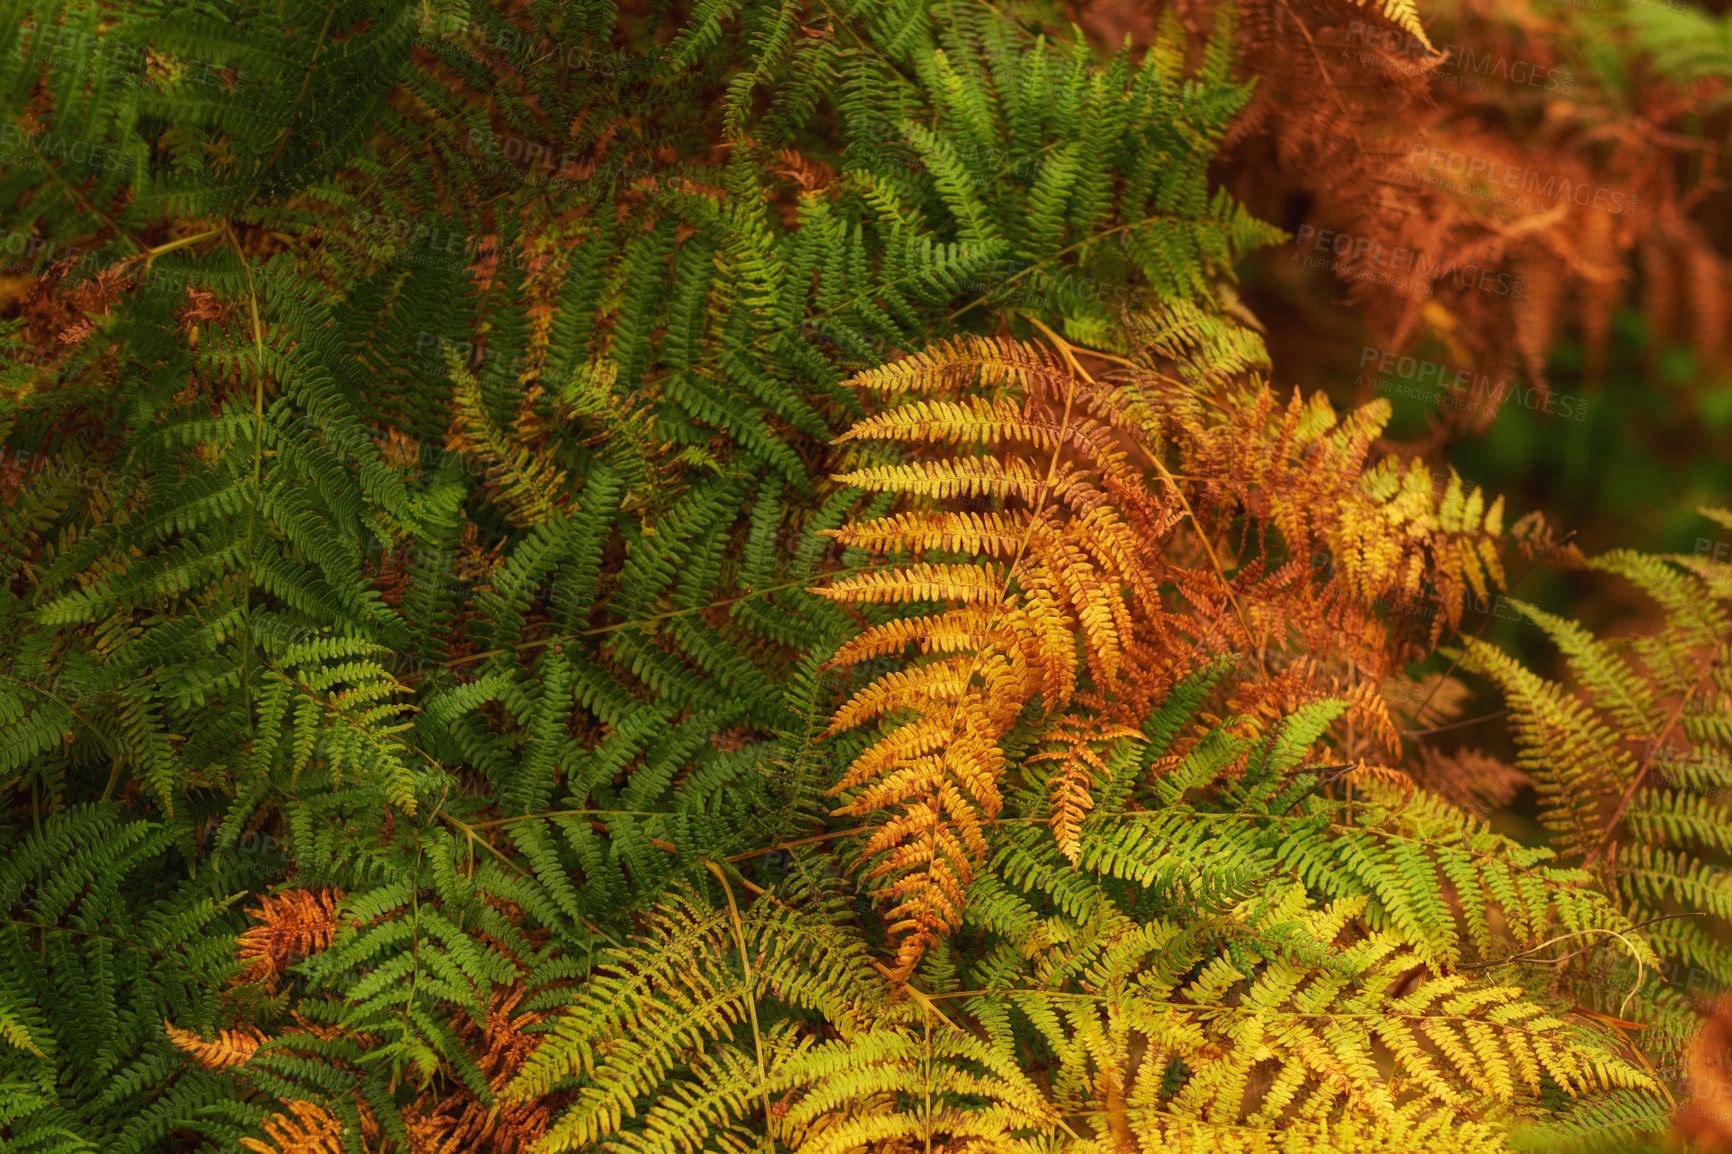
{"x": 103, "y": 943}
{"x": 729, "y": 576}
{"x": 1629, "y": 763}
{"x": 1077, "y": 547}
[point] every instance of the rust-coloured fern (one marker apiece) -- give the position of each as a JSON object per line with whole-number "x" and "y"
{"x": 457, "y": 1118}
{"x": 296, "y": 923}
{"x": 1053, "y": 534}
{"x": 308, "y": 1128}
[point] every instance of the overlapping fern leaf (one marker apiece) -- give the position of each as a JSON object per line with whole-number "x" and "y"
{"x": 1203, "y": 977}
{"x": 102, "y": 944}
{"x": 1170, "y": 987}
{"x": 1089, "y": 575}
{"x": 1060, "y": 550}
{"x": 411, "y": 498}
{"x": 1630, "y": 761}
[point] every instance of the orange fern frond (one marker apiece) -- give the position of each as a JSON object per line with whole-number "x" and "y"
{"x": 947, "y": 366}
{"x": 962, "y": 477}
{"x": 995, "y": 534}
{"x": 1384, "y": 775}
{"x": 296, "y": 923}
{"x": 1469, "y": 778}
{"x": 922, "y": 582}
{"x": 1075, "y": 742}
{"x": 967, "y": 628}
{"x": 1013, "y": 632}
{"x": 970, "y": 420}
{"x": 1075, "y": 579}
{"x": 940, "y": 683}
{"x": 312, "y": 1130}
{"x": 457, "y": 1121}
{"x": 228, "y": 1048}
{"x": 936, "y": 846}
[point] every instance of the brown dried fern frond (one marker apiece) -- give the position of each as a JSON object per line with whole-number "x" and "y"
{"x": 1468, "y": 180}
{"x": 296, "y": 923}
{"x": 456, "y": 1120}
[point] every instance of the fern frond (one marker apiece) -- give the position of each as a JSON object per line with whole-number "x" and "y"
{"x": 1404, "y": 14}
{"x": 228, "y": 1048}
{"x": 296, "y": 923}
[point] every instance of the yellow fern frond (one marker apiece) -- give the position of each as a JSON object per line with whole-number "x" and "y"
{"x": 526, "y": 483}
{"x": 1097, "y": 604}
{"x": 972, "y": 420}
{"x": 1049, "y": 639}
{"x": 939, "y": 683}
{"x": 995, "y": 534}
{"x": 1404, "y": 14}
{"x": 965, "y": 583}
{"x": 962, "y": 477}
{"x": 947, "y": 366}
{"x": 969, "y": 628}
{"x": 922, "y": 737}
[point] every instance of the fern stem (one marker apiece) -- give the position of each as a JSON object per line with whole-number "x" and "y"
{"x": 258, "y": 474}
{"x": 150, "y": 254}
{"x": 751, "y": 1000}
{"x": 1558, "y": 961}
{"x": 1454, "y": 724}
{"x": 1068, "y": 352}
{"x": 559, "y": 638}
{"x": 1704, "y": 666}
{"x": 1641, "y": 968}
